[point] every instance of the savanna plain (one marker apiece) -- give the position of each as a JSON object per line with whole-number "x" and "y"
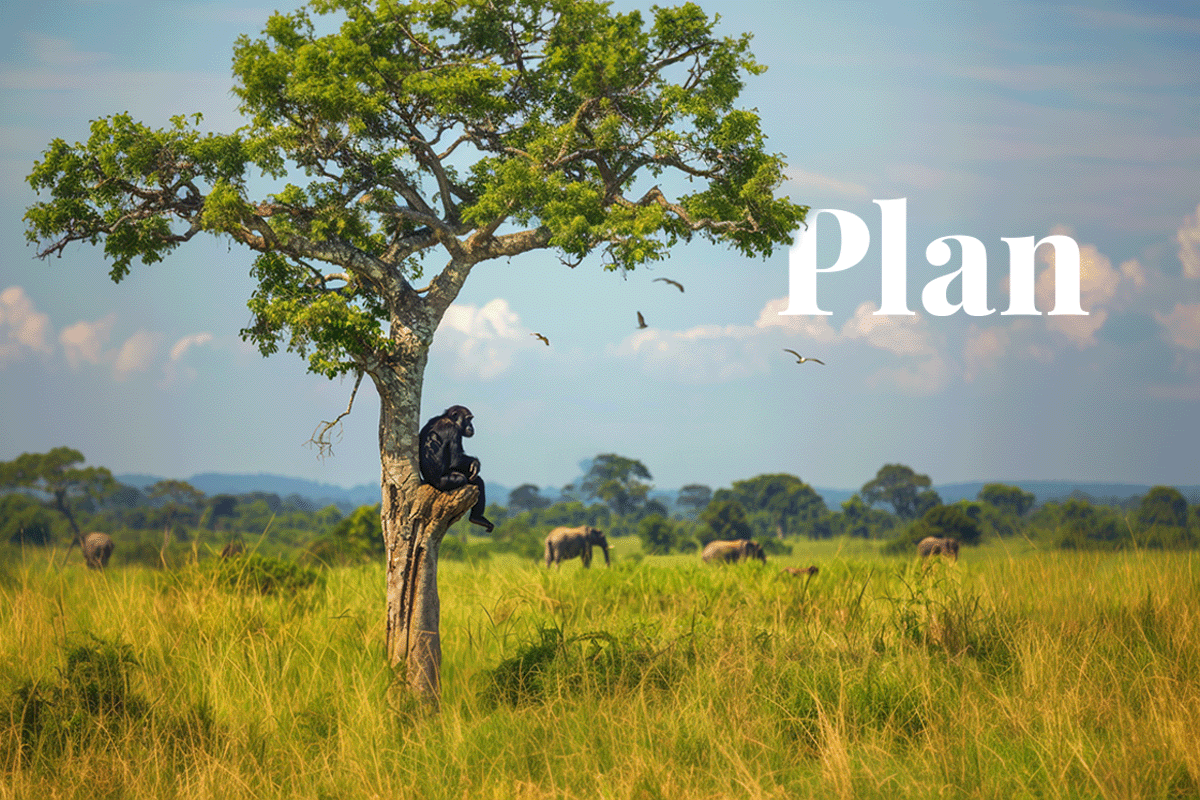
{"x": 1015, "y": 672}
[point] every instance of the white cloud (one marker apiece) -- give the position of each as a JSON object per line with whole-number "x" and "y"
{"x": 1098, "y": 285}
{"x": 84, "y": 342}
{"x": 703, "y": 354}
{"x": 196, "y": 339}
{"x": 1181, "y": 327}
{"x": 1188, "y": 237}
{"x": 715, "y": 353}
{"x": 175, "y": 372}
{"x": 922, "y": 377}
{"x": 22, "y": 326}
{"x": 483, "y": 341}
{"x": 816, "y": 328}
{"x": 900, "y": 334}
{"x": 984, "y": 349}
{"x": 136, "y": 354}
{"x": 920, "y": 370}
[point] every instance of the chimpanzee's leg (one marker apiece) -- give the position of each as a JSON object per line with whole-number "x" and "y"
{"x": 477, "y": 512}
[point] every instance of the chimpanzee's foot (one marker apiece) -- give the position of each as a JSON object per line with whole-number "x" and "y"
{"x": 482, "y": 522}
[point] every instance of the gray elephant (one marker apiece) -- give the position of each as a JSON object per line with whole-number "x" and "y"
{"x": 733, "y": 550}
{"x": 936, "y": 546}
{"x": 97, "y": 549}
{"x": 563, "y": 543}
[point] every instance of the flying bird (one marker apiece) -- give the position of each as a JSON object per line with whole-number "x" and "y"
{"x": 676, "y": 284}
{"x": 642, "y": 321}
{"x": 543, "y": 338}
{"x": 801, "y": 359}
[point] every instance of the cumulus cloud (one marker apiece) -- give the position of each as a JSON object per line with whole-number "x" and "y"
{"x": 903, "y": 335}
{"x": 920, "y": 369}
{"x": 175, "y": 371}
{"x": 22, "y": 327}
{"x": 815, "y": 328}
{"x": 483, "y": 341}
{"x": 703, "y": 354}
{"x": 1098, "y": 284}
{"x": 715, "y": 353}
{"x": 1181, "y": 327}
{"x": 83, "y": 342}
{"x": 195, "y": 340}
{"x": 1188, "y": 237}
{"x": 984, "y": 349}
{"x": 136, "y": 354}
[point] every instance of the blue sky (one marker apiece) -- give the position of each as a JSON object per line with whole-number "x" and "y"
{"x": 992, "y": 119}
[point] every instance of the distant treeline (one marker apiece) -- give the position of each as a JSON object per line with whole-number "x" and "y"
{"x": 47, "y": 499}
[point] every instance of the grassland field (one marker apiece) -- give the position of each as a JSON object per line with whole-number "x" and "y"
{"x": 1016, "y": 672}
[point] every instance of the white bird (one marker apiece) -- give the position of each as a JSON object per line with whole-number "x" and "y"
{"x": 801, "y": 359}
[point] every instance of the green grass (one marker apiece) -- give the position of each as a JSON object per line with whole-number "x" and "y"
{"x": 1014, "y": 673}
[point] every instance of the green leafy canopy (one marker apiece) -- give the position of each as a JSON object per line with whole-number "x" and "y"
{"x": 476, "y": 128}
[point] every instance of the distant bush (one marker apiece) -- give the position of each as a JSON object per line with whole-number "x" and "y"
{"x": 356, "y": 539}
{"x": 24, "y": 520}
{"x": 774, "y": 546}
{"x": 258, "y": 574}
{"x": 453, "y": 548}
{"x": 659, "y": 535}
{"x": 946, "y": 521}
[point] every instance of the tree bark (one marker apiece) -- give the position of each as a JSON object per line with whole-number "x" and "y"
{"x": 414, "y": 517}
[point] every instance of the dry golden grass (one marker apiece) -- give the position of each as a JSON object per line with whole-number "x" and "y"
{"x": 1009, "y": 674}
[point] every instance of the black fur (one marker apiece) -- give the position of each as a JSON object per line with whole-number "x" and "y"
{"x": 444, "y": 465}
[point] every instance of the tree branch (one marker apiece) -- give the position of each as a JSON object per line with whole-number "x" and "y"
{"x": 321, "y": 437}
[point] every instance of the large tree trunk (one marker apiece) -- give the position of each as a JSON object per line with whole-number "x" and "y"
{"x": 415, "y": 518}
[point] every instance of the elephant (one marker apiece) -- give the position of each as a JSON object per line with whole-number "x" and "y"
{"x": 564, "y": 543}
{"x": 935, "y": 546}
{"x": 796, "y": 572}
{"x": 97, "y": 549}
{"x": 735, "y": 550}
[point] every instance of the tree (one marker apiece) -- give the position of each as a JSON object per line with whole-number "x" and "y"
{"x": 1012, "y": 499}
{"x": 181, "y": 500}
{"x": 23, "y": 520}
{"x": 619, "y": 482}
{"x": 658, "y": 534}
{"x": 58, "y": 475}
{"x": 947, "y": 521}
{"x": 526, "y": 498}
{"x": 901, "y": 488}
{"x": 1163, "y": 505}
{"x": 465, "y": 131}
{"x": 694, "y": 496}
{"x": 221, "y": 505}
{"x": 859, "y": 519}
{"x": 724, "y": 519}
{"x": 787, "y": 501}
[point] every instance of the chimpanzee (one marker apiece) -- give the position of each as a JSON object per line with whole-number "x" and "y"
{"x": 444, "y": 465}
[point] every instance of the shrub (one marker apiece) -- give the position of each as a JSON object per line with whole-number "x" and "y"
{"x": 85, "y": 708}
{"x": 258, "y": 574}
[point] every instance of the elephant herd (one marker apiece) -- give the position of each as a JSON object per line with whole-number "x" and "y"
{"x": 567, "y": 543}
{"x": 98, "y": 549}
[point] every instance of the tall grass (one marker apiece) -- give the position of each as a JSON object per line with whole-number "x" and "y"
{"x": 1008, "y": 674}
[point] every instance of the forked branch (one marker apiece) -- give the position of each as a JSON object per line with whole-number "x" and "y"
{"x": 322, "y": 437}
